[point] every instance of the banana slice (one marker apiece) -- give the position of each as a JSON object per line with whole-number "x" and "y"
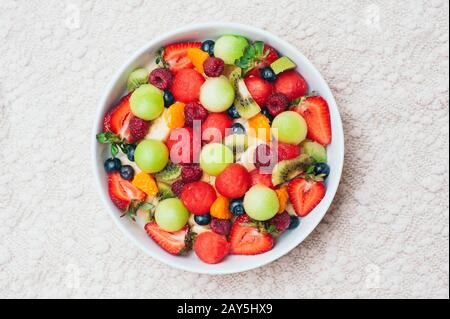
{"x": 159, "y": 130}
{"x": 246, "y": 158}
{"x": 196, "y": 228}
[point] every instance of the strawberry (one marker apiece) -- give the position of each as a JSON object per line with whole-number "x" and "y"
{"x": 305, "y": 195}
{"x": 259, "y": 89}
{"x": 214, "y": 124}
{"x": 316, "y": 113}
{"x": 233, "y": 182}
{"x": 287, "y": 151}
{"x": 122, "y": 192}
{"x": 186, "y": 85}
{"x": 176, "y": 55}
{"x": 117, "y": 120}
{"x": 211, "y": 248}
{"x": 246, "y": 239}
{"x": 256, "y": 177}
{"x": 172, "y": 242}
{"x": 291, "y": 84}
{"x": 272, "y": 55}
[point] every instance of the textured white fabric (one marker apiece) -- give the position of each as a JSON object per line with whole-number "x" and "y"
{"x": 386, "y": 235}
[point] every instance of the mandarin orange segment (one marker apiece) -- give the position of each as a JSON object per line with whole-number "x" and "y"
{"x": 146, "y": 183}
{"x": 197, "y": 58}
{"x": 220, "y": 208}
{"x": 175, "y": 115}
{"x": 283, "y": 197}
{"x": 261, "y": 126}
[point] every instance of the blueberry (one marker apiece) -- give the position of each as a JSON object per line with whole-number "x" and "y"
{"x": 295, "y": 221}
{"x": 268, "y": 74}
{"x": 267, "y": 114}
{"x": 208, "y": 46}
{"x": 202, "y": 219}
{"x": 237, "y": 207}
{"x": 322, "y": 169}
{"x": 233, "y": 113}
{"x": 130, "y": 153}
{"x": 112, "y": 165}
{"x": 237, "y": 128}
{"x": 168, "y": 98}
{"x": 127, "y": 172}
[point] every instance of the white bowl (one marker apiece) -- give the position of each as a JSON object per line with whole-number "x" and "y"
{"x": 289, "y": 239}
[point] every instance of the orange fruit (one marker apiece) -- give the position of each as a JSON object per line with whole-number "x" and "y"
{"x": 261, "y": 126}
{"x": 197, "y": 58}
{"x": 220, "y": 208}
{"x": 175, "y": 115}
{"x": 283, "y": 197}
{"x": 146, "y": 183}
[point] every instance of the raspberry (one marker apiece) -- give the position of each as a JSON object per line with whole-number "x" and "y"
{"x": 161, "y": 78}
{"x": 194, "y": 111}
{"x": 277, "y": 103}
{"x": 191, "y": 173}
{"x": 138, "y": 129}
{"x": 213, "y": 66}
{"x": 221, "y": 226}
{"x": 177, "y": 187}
{"x": 264, "y": 157}
{"x": 281, "y": 221}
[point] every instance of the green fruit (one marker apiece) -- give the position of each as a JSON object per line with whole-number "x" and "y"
{"x": 244, "y": 102}
{"x": 137, "y": 78}
{"x": 235, "y": 75}
{"x": 164, "y": 191}
{"x": 171, "y": 214}
{"x": 286, "y": 170}
{"x": 282, "y": 64}
{"x": 217, "y": 94}
{"x": 230, "y": 48}
{"x": 169, "y": 174}
{"x": 315, "y": 150}
{"x": 261, "y": 203}
{"x": 147, "y": 102}
{"x": 151, "y": 156}
{"x": 289, "y": 127}
{"x": 214, "y": 158}
{"x": 236, "y": 142}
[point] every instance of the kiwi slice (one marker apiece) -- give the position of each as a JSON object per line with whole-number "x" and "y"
{"x": 164, "y": 191}
{"x": 282, "y": 64}
{"x": 237, "y": 142}
{"x": 315, "y": 150}
{"x": 286, "y": 170}
{"x": 244, "y": 102}
{"x": 232, "y": 72}
{"x": 169, "y": 174}
{"x": 137, "y": 78}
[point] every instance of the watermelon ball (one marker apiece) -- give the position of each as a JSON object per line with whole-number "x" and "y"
{"x": 233, "y": 182}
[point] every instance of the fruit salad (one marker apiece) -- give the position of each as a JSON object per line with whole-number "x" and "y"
{"x": 218, "y": 147}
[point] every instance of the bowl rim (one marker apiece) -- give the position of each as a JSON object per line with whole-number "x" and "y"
{"x": 99, "y": 113}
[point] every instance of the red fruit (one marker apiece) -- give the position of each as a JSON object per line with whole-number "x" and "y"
{"x": 211, "y": 248}
{"x": 213, "y": 66}
{"x": 194, "y": 111}
{"x": 176, "y": 55}
{"x": 287, "y": 151}
{"x": 221, "y": 226}
{"x": 122, "y": 192}
{"x": 259, "y": 89}
{"x": 177, "y": 187}
{"x": 172, "y": 242}
{"x": 117, "y": 120}
{"x": 198, "y": 197}
{"x": 233, "y": 182}
{"x": 281, "y": 221}
{"x": 215, "y": 126}
{"x": 138, "y": 129}
{"x": 316, "y": 113}
{"x": 264, "y": 157}
{"x": 184, "y": 146}
{"x": 305, "y": 195}
{"x": 246, "y": 239}
{"x": 161, "y": 78}
{"x": 256, "y": 177}
{"x": 272, "y": 55}
{"x": 191, "y": 173}
{"x": 186, "y": 85}
{"x": 291, "y": 84}
{"x": 277, "y": 103}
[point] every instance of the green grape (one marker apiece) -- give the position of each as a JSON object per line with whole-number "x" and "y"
{"x": 215, "y": 157}
{"x": 137, "y": 78}
{"x": 261, "y": 203}
{"x": 217, "y": 94}
{"x": 289, "y": 127}
{"x": 151, "y": 156}
{"x": 171, "y": 214}
{"x": 147, "y": 102}
{"x": 230, "y": 48}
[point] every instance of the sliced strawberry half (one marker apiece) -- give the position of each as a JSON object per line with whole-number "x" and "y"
{"x": 272, "y": 55}
{"x": 172, "y": 242}
{"x": 122, "y": 192}
{"x": 118, "y": 119}
{"x": 246, "y": 239}
{"x": 305, "y": 195}
{"x": 316, "y": 113}
{"x": 176, "y": 55}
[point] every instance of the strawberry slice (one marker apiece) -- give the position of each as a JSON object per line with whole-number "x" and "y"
{"x": 176, "y": 55}
{"x": 272, "y": 55}
{"x": 118, "y": 119}
{"x": 122, "y": 192}
{"x": 316, "y": 113}
{"x": 246, "y": 239}
{"x": 172, "y": 242}
{"x": 305, "y": 195}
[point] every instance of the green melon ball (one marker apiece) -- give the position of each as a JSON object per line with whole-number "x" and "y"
{"x": 147, "y": 102}
{"x": 151, "y": 156}
{"x": 230, "y": 48}
{"x": 217, "y": 94}
{"x": 215, "y": 157}
{"x": 261, "y": 203}
{"x": 171, "y": 214}
{"x": 289, "y": 127}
